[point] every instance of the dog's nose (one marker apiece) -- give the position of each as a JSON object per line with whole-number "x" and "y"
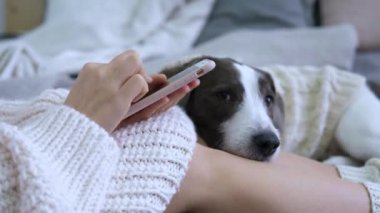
{"x": 266, "y": 142}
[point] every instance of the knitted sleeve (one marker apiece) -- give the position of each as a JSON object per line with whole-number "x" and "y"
{"x": 369, "y": 176}
{"x": 154, "y": 160}
{"x": 52, "y": 158}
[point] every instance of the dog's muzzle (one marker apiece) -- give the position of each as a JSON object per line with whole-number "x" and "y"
{"x": 266, "y": 143}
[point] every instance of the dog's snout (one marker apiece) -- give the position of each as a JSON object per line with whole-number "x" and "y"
{"x": 266, "y": 143}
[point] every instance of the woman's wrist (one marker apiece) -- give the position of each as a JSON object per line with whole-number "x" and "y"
{"x": 196, "y": 188}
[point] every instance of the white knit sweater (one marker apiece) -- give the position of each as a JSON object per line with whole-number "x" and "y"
{"x": 315, "y": 99}
{"x": 54, "y": 159}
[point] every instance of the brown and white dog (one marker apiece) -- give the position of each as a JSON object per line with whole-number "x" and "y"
{"x": 236, "y": 109}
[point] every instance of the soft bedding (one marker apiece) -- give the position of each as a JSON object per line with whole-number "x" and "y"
{"x": 325, "y": 46}
{"x": 76, "y": 32}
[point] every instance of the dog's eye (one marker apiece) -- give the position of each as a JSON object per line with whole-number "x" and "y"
{"x": 268, "y": 100}
{"x": 224, "y": 95}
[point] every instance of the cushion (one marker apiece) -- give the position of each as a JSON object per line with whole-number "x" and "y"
{"x": 315, "y": 46}
{"x": 230, "y": 15}
{"x": 362, "y": 14}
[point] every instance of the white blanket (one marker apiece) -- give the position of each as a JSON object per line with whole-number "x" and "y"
{"x": 17, "y": 59}
{"x": 76, "y": 32}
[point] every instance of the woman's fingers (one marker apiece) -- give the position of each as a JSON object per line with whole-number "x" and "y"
{"x": 134, "y": 88}
{"x": 176, "y": 96}
{"x": 163, "y": 104}
{"x": 126, "y": 65}
{"x": 192, "y": 85}
{"x": 146, "y": 113}
{"x": 179, "y": 94}
{"x": 158, "y": 82}
{"x": 104, "y": 92}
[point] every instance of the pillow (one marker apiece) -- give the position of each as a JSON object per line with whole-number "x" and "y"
{"x": 363, "y": 14}
{"x": 307, "y": 46}
{"x": 230, "y": 15}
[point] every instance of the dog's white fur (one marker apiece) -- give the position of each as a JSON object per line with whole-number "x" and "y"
{"x": 358, "y": 132}
{"x": 252, "y": 116}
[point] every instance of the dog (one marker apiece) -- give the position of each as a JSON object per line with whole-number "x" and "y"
{"x": 237, "y": 109}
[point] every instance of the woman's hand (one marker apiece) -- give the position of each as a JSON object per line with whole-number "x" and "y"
{"x": 158, "y": 82}
{"x": 104, "y": 92}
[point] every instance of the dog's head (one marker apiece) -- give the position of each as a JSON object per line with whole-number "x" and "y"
{"x": 235, "y": 108}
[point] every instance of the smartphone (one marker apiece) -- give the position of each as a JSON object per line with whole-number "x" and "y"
{"x": 174, "y": 83}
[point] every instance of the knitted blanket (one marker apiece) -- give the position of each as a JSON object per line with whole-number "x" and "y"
{"x": 54, "y": 159}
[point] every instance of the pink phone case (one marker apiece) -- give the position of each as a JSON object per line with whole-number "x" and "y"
{"x": 176, "y": 82}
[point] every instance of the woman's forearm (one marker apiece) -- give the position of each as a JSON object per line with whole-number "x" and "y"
{"x": 289, "y": 184}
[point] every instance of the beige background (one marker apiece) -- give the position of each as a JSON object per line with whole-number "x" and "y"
{"x": 2, "y": 16}
{"x": 22, "y": 15}
{"x": 363, "y": 14}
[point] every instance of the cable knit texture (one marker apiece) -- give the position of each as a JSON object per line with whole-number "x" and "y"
{"x": 369, "y": 176}
{"x": 155, "y": 156}
{"x": 315, "y": 100}
{"x": 54, "y": 159}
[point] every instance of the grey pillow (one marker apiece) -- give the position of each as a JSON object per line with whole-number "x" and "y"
{"x": 230, "y": 15}
{"x": 335, "y": 45}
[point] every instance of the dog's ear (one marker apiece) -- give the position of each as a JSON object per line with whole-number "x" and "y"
{"x": 277, "y": 111}
{"x": 171, "y": 70}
